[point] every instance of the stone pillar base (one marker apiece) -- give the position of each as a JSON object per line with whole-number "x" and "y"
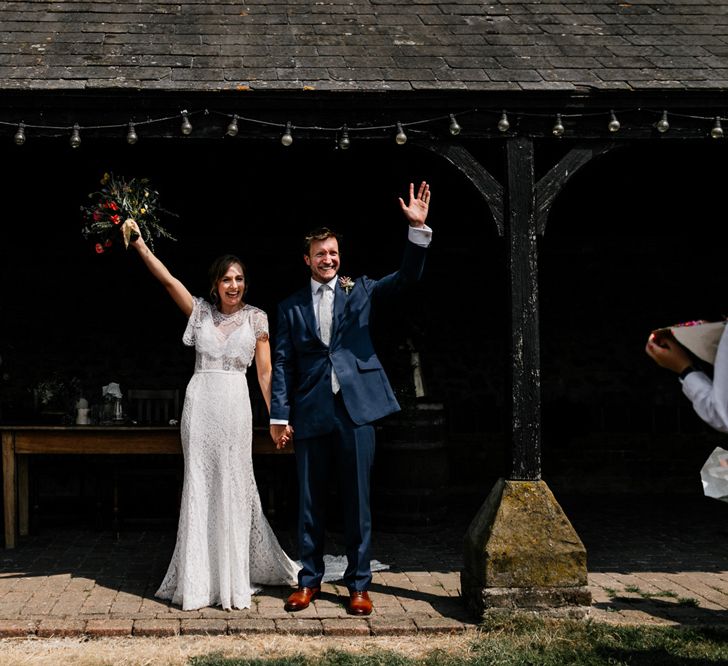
{"x": 571, "y": 602}
{"x": 522, "y": 553}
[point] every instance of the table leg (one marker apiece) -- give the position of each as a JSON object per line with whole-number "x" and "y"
{"x": 23, "y": 494}
{"x": 9, "y": 488}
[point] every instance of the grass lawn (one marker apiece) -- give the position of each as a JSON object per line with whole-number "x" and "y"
{"x": 538, "y": 642}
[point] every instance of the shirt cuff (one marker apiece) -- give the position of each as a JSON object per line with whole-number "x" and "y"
{"x": 686, "y": 372}
{"x": 420, "y": 235}
{"x": 278, "y": 422}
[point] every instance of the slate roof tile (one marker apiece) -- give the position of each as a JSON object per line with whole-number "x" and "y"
{"x": 466, "y": 75}
{"x": 547, "y": 85}
{"x": 575, "y": 76}
{"x": 413, "y": 74}
{"x": 712, "y": 84}
{"x": 573, "y": 62}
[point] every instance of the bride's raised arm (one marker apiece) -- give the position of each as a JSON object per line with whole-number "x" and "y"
{"x": 176, "y": 289}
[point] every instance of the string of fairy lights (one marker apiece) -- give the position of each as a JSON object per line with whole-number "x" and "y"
{"x": 343, "y": 133}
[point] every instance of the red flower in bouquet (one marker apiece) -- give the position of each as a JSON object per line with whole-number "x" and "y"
{"x": 694, "y": 322}
{"x": 116, "y": 205}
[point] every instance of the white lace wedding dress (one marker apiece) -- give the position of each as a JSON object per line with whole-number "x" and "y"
{"x": 225, "y": 547}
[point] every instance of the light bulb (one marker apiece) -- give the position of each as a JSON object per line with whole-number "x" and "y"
{"x": 75, "y": 139}
{"x": 287, "y": 138}
{"x": 614, "y": 124}
{"x": 717, "y": 131}
{"x": 19, "y": 137}
{"x": 131, "y": 136}
{"x": 662, "y": 124}
{"x": 344, "y": 141}
{"x": 503, "y": 124}
{"x": 232, "y": 128}
{"x": 558, "y": 128}
{"x": 455, "y": 129}
{"x": 401, "y": 137}
{"x": 186, "y": 126}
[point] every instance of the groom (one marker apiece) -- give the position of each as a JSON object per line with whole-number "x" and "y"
{"x": 328, "y": 389}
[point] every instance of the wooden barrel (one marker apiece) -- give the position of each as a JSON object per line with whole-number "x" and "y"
{"x": 411, "y": 470}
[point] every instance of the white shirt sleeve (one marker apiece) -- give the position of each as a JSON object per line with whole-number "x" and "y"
{"x": 710, "y": 397}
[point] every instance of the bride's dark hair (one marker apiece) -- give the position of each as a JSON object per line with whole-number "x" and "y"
{"x": 218, "y": 268}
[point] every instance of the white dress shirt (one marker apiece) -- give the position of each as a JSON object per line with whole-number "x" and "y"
{"x": 710, "y": 396}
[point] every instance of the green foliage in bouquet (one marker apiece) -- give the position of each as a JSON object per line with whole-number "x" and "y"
{"x": 118, "y": 200}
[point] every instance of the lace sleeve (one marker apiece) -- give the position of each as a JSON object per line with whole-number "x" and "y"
{"x": 194, "y": 322}
{"x": 260, "y": 324}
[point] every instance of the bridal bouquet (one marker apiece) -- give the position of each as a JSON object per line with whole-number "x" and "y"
{"x": 110, "y": 216}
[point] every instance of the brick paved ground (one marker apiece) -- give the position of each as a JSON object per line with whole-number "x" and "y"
{"x": 650, "y": 562}
{"x": 657, "y": 561}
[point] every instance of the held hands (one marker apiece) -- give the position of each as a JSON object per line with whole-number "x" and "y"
{"x": 416, "y": 210}
{"x": 281, "y": 435}
{"x": 667, "y": 353}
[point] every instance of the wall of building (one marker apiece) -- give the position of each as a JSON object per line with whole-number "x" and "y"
{"x": 634, "y": 242}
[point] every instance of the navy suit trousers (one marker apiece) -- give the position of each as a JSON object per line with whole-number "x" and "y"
{"x": 351, "y": 449}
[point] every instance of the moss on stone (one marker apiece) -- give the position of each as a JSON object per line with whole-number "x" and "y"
{"x": 522, "y": 538}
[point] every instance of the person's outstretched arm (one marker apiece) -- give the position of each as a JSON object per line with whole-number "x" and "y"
{"x": 709, "y": 396}
{"x": 419, "y": 237}
{"x": 174, "y": 287}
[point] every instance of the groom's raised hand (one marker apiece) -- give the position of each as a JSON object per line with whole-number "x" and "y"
{"x": 416, "y": 210}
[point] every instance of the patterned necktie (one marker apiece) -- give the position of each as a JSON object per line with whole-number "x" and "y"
{"x": 326, "y": 310}
{"x": 326, "y": 320}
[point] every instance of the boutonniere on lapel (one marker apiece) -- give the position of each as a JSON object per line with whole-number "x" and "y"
{"x": 346, "y": 283}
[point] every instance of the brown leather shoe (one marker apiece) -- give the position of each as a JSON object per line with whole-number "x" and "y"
{"x": 301, "y": 598}
{"x": 359, "y": 603}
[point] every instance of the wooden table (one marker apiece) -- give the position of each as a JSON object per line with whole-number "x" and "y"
{"x": 20, "y": 441}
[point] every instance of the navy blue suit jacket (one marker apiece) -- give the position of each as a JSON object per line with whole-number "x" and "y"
{"x": 301, "y": 391}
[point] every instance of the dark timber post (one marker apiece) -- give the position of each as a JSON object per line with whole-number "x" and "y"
{"x": 525, "y": 435}
{"x": 521, "y": 551}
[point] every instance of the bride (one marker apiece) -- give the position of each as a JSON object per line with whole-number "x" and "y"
{"x": 225, "y": 547}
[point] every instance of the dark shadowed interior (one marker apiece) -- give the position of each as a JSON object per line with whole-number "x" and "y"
{"x": 634, "y": 241}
